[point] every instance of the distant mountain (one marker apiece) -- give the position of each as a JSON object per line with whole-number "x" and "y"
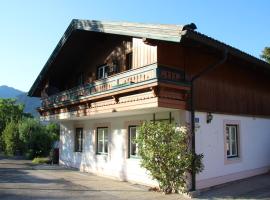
{"x": 9, "y": 92}
{"x": 31, "y": 103}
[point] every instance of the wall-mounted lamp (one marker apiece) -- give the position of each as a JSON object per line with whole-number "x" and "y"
{"x": 209, "y": 118}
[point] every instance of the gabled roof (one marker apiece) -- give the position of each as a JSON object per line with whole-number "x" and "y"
{"x": 169, "y": 33}
{"x": 152, "y": 31}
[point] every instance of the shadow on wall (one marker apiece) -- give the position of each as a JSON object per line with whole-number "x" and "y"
{"x": 88, "y": 160}
{"x": 123, "y": 172}
{"x": 67, "y": 153}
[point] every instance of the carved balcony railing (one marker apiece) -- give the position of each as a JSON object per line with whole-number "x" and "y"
{"x": 115, "y": 84}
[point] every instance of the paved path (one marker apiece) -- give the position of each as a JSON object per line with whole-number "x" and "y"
{"x": 257, "y": 187}
{"x": 20, "y": 180}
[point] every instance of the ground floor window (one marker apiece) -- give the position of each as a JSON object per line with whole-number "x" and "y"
{"x": 232, "y": 140}
{"x": 78, "y": 140}
{"x": 133, "y": 146}
{"x": 102, "y": 140}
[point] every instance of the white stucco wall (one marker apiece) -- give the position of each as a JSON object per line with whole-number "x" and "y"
{"x": 115, "y": 164}
{"x": 254, "y": 149}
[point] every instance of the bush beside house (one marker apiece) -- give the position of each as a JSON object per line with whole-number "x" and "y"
{"x": 165, "y": 153}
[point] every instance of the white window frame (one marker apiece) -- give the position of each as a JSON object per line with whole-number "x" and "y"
{"x": 232, "y": 140}
{"x": 231, "y": 157}
{"x": 78, "y": 140}
{"x": 104, "y": 140}
{"x": 130, "y": 142}
{"x": 102, "y": 72}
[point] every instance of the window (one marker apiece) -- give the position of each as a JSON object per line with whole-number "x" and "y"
{"x": 80, "y": 79}
{"x": 132, "y": 146}
{"x": 129, "y": 61}
{"x": 102, "y": 140}
{"x": 232, "y": 140}
{"x": 102, "y": 72}
{"x": 163, "y": 118}
{"x": 78, "y": 140}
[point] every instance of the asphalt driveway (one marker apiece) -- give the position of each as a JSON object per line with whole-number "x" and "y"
{"x": 257, "y": 187}
{"x": 20, "y": 180}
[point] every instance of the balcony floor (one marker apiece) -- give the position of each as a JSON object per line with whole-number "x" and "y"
{"x": 115, "y": 110}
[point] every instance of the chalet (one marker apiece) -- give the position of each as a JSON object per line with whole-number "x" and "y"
{"x": 105, "y": 78}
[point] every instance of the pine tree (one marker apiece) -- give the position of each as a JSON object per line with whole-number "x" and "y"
{"x": 266, "y": 54}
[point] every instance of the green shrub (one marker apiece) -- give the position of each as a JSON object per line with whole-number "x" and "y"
{"x": 36, "y": 138}
{"x": 9, "y": 111}
{"x": 41, "y": 160}
{"x": 53, "y": 130}
{"x": 29, "y": 154}
{"x": 21, "y": 134}
{"x": 164, "y": 152}
{"x": 12, "y": 144}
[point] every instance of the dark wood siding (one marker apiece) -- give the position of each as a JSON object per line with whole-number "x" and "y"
{"x": 84, "y": 52}
{"x": 236, "y": 87}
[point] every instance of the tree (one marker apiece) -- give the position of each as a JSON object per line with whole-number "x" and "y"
{"x": 164, "y": 151}
{"x": 53, "y": 130}
{"x": 11, "y": 140}
{"x": 36, "y": 139}
{"x": 21, "y": 133}
{"x": 266, "y": 54}
{"x": 9, "y": 111}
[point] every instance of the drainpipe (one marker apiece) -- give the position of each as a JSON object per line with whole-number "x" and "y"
{"x": 192, "y": 111}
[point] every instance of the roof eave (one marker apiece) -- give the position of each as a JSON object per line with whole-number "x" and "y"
{"x": 221, "y": 46}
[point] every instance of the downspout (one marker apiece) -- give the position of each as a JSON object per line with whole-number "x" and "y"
{"x": 192, "y": 111}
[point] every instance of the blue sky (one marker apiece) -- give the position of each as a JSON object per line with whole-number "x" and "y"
{"x": 30, "y": 29}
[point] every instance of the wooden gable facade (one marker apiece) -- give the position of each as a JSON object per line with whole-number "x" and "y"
{"x": 155, "y": 67}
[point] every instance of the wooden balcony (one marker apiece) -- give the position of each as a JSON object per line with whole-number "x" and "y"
{"x": 158, "y": 80}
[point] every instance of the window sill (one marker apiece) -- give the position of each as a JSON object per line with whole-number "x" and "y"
{"x": 134, "y": 157}
{"x": 102, "y": 154}
{"x": 232, "y": 160}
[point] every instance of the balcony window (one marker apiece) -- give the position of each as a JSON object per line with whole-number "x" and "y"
{"x": 129, "y": 61}
{"x": 80, "y": 79}
{"x": 102, "y": 72}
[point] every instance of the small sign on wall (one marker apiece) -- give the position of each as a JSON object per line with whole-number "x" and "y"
{"x": 197, "y": 121}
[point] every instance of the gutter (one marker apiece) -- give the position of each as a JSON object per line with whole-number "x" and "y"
{"x": 192, "y": 110}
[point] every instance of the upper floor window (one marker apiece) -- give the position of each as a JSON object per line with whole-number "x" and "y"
{"x": 133, "y": 146}
{"x": 78, "y": 140}
{"x": 80, "y": 79}
{"x": 102, "y": 72}
{"x": 232, "y": 143}
{"x": 129, "y": 61}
